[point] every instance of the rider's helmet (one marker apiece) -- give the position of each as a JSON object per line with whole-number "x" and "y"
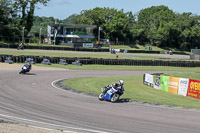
{"x": 121, "y": 82}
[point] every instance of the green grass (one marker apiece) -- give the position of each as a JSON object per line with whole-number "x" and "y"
{"x": 136, "y": 47}
{"x": 187, "y": 74}
{"x": 123, "y": 67}
{"x": 134, "y": 90}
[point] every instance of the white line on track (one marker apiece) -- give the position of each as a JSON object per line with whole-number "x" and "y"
{"x": 56, "y": 86}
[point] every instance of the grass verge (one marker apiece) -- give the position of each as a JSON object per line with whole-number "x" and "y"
{"x": 134, "y": 90}
{"x": 123, "y": 67}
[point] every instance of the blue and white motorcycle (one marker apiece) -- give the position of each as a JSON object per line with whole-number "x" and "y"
{"x": 26, "y": 68}
{"x": 111, "y": 94}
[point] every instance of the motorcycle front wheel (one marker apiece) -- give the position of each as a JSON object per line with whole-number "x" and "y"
{"x": 101, "y": 96}
{"x": 114, "y": 97}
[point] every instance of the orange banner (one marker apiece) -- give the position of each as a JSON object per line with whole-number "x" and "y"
{"x": 173, "y": 85}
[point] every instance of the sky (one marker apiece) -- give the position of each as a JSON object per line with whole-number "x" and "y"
{"x": 62, "y": 9}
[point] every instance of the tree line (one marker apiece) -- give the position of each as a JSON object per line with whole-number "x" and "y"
{"x": 157, "y": 25}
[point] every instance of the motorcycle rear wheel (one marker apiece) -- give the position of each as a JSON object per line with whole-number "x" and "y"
{"x": 114, "y": 97}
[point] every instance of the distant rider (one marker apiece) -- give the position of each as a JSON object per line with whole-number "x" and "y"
{"x": 21, "y": 46}
{"x": 28, "y": 66}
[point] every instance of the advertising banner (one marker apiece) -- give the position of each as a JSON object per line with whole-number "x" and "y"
{"x": 86, "y": 45}
{"x": 156, "y": 81}
{"x": 173, "y": 85}
{"x": 194, "y": 89}
{"x": 148, "y": 79}
{"x": 183, "y": 86}
{"x": 164, "y": 83}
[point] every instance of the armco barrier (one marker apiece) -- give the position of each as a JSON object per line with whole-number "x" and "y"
{"x": 100, "y": 61}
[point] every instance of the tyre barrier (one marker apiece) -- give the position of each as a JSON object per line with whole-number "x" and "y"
{"x": 101, "y": 61}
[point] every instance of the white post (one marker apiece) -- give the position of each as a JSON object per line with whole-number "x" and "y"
{"x": 55, "y": 33}
{"x": 99, "y": 36}
{"x": 40, "y": 35}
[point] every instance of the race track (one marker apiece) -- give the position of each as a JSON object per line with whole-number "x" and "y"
{"x": 163, "y": 56}
{"x": 31, "y": 99}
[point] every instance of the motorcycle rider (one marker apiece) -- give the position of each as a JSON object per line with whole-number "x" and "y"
{"x": 21, "y": 46}
{"x": 25, "y": 68}
{"x": 115, "y": 86}
{"x": 28, "y": 66}
{"x": 119, "y": 85}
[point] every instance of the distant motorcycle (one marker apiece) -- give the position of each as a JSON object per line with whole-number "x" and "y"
{"x": 111, "y": 94}
{"x": 26, "y": 68}
{"x": 21, "y": 46}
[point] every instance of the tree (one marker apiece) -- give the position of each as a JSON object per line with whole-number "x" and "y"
{"x": 69, "y": 20}
{"x": 26, "y": 10}
{"x": 188, "y": 26}
{"x": 115, "y": 23}
{"x": 9, "y": 20}
{"x": 153, "y": 23}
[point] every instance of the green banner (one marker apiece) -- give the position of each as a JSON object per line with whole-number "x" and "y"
{"x": 164, "y": 83}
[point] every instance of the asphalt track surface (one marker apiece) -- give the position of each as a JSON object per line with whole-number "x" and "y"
{"x": 31, "y": 99}
{"x": 163, "y": 56}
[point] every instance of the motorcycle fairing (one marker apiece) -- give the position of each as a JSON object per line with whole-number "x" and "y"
{"x": 24, "y": 67}
{"x": 108, "y": 94}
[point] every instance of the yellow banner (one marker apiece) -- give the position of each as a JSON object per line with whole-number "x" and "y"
{"x": 173, "y": 85}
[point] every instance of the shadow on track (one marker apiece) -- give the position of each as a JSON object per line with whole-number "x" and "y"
{"x": 29, "y": 74}
{"x": 123, "y": 100}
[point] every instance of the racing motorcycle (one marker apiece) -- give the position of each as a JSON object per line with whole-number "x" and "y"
{"x": 110, "y": 93}
{"x": 21, "y": 46}
{"x": 26, "y": 68}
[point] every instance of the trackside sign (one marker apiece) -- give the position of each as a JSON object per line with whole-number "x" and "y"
{"x": 183, "y": 86}
{"x": 148, "y": 80}
{"x": 194, "y": 89}
{"x": 180, "y": 86}
{"x": 173, "y": 85}
{"x": 86, "y": 45}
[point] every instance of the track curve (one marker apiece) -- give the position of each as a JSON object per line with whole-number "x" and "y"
{"x": 31, "y": 99}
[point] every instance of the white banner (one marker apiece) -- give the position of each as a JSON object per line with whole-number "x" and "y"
{"x": 117, "y": 50}
{"x": 148, "y": 79}
{"x": 183, "y": 86}
{"x": 85, "y": 45}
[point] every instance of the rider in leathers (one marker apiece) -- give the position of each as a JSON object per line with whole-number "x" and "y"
{"x": 115, "y": 86}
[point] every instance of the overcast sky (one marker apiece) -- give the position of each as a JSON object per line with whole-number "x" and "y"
{"x": 62, "y": 9}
